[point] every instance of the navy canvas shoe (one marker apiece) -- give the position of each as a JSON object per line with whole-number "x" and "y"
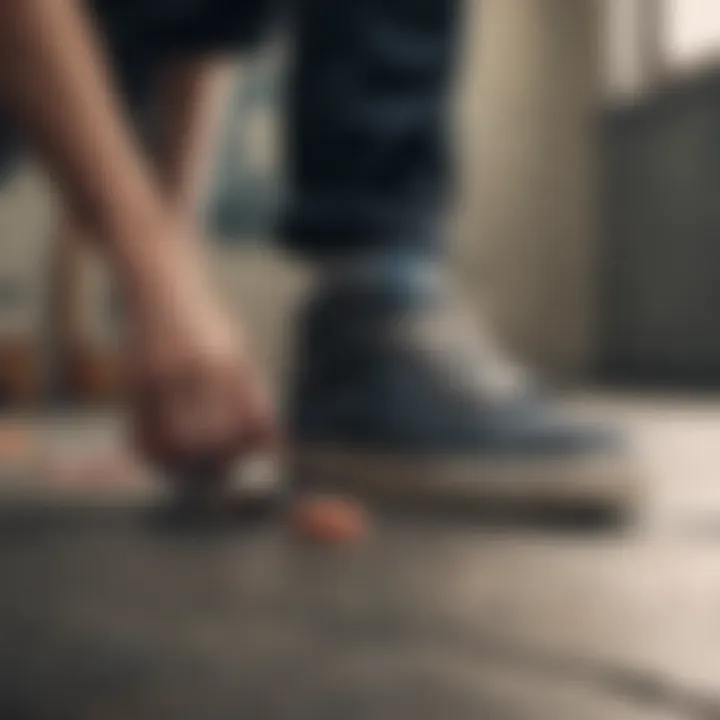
{"x": 395, "y": 399}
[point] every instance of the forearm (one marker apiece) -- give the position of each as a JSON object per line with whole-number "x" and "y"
{"x": 53, "y": 81}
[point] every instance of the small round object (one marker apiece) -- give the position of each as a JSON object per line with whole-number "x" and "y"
{"x": 330, "y": 520}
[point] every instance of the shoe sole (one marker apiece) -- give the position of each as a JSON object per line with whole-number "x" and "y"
{"x": 603, "y": 486}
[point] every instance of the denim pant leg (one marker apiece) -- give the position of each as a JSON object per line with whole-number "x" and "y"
{"x": 368, "y": 125}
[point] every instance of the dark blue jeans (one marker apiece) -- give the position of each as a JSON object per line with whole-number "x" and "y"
{"x": 367, "y": 115}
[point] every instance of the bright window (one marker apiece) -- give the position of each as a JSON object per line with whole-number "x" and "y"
{"x": 645, "y": 39}
{"x": 691, "y": 31}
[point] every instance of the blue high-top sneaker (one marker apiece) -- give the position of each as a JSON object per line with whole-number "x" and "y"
{"x": 396, "y": 399}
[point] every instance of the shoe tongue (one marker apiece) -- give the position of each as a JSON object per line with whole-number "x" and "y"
{"x": 411, "y": 299}
{"x": 466, "y": 353}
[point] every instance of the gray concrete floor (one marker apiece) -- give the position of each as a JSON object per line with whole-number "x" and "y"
{"x": 111, "y": 611}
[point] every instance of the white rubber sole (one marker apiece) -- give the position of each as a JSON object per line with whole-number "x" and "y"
{"x": 604, "y": 482}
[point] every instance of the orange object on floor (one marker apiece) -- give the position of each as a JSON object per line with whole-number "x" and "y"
{"x": 329, "y": 520}
{"x": 15, "y": 443}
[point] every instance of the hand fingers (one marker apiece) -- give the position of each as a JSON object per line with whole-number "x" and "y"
{"x": 204, "y": 411}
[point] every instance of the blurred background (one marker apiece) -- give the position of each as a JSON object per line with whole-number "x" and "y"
{"x": 586, "y": 227}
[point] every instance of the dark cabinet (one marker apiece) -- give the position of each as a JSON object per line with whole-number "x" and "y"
{"x": 661, "y": 235}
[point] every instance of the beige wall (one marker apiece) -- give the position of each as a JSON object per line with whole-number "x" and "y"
{"x": 528, "y": 225}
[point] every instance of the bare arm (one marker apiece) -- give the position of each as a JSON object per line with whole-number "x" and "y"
{"x": 53, "y": 81}
{"x": 195, "y": 390}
